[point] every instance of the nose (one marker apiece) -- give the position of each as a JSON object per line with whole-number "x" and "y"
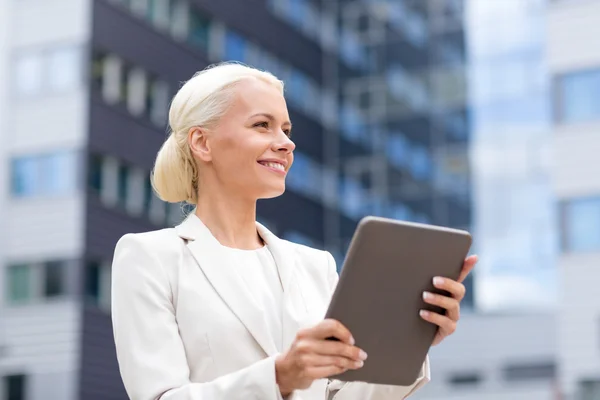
{"x": 284, "y": 143}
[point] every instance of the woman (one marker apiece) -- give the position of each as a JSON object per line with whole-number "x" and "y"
{"x": 219, "y": 307}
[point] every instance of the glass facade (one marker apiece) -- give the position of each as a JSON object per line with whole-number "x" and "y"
{"x": 515, "y": 210}
{"x": 581, "y": 225}
{"x": 579, "y": 97}
{"x": 44, "y": 174}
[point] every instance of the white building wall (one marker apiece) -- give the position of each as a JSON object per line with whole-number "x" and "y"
{"x": 41, "y": 339}
{"x": 487, "y": 344}
{"x": 573, "y": 31}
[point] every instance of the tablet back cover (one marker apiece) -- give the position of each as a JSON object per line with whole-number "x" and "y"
{"x": 388, "y": 267}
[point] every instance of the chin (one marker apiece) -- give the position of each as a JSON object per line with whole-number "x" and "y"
{"x": 272, "y": 192}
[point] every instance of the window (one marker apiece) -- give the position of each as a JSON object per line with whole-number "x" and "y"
{"x": 525, "y": 372}
{"x": 54, "y": 282}
{"x": 579, "y": 96}
{"x": 157, "y": 102}
{"x": 398, "y": 150}
{"x": 199, "y": 28}
{"x": 123, "y": 183}
{"x": 64, "y": 68}
{"x": 466, "y": 379}
{"x": 24, "y": 176}
{"x": 14, "y": 387}
{"x": 97, "y": 284}
{"x": 421, "y": 165}
{"x": 47, "y": 174}
{"x": 59, "y": 172}
{"x": 306, "y": 176}
{"x": 28, "y": 74}
{"x": 19, "y": 288}
{"x": 53, "y": 70}
{"x": 235, "y": 47}
{"x": 589, "y": 389}
{"x": 582, "y": 225}
{"x": 95, "y": 173}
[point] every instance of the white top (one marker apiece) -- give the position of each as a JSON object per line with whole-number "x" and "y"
{"x": 258, "y": 270}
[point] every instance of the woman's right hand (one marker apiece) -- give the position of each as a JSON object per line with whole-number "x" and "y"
{"x": 311, "y": 356}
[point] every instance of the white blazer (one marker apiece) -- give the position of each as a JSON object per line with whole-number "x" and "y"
{"x": 186, "y": 327}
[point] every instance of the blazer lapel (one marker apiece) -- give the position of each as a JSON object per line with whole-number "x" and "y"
{"x": 293, "y": 309}
{"x": 219, "y": 269}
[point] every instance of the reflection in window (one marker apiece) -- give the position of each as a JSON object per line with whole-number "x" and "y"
{"x": 306, "y": 176}
{"x": 29, "y": 73}
{"x": 199, "y": 28}
{"x": 59, "y": 171}
{"x": 64, "y": 68}
{"x": 47, "y": 174}
{"x": 582, "y": 225}
{"x": 19, "y": 288}
{"x": 420, "y": 163}
{"x": 398, "y": 150}
{"x": 24, "y": 176}
{"x": 579, "y": 96}
{"x": 235, "y": 47}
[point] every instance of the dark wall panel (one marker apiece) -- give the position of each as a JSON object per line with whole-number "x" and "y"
{"x": 100, "y": 378}
{"x": 144, "y": 45}
{"x": 253, "y": 20}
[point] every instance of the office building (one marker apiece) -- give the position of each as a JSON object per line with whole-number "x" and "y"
{"x": 496, "y": 356}
{"x": 514, "y": 209}
{"x": 574, "y": 62}
{"x": 86, "y": 111}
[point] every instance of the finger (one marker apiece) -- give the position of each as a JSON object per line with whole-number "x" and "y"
{"x": 332, "y": 328}
{"x": 468, "y": 266}
{"x": 447, "y": 326}
{"x": 315, "y": 373}
{"x": 451, "y": 304}
{"x": 327, "y": 347}
{"x": 317, "y": 360}
{"x": 456, "y": 289}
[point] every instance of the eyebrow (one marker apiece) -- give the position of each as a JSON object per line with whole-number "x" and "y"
{"x": 271, "y": 118}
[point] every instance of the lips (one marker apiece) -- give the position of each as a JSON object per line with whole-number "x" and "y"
{"x": 273, "y": 164}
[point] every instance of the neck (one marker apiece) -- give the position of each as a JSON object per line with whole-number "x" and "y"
{"x": 231, "y": 219}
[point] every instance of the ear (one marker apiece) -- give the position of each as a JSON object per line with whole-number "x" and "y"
{"x": 198, "y": 141}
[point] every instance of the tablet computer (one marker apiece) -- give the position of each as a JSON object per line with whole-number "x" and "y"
{"x": 388, "y": 266}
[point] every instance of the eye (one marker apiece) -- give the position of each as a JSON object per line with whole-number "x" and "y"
{"x": 288, "y": 132}
{"x": 263, "y": 124}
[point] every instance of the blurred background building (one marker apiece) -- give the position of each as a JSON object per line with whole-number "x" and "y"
{"x": 411, "y": 109}
{"x": 376, "y": 90}
{"x": 574, "y": 62}
{"x": 514, "y": 206}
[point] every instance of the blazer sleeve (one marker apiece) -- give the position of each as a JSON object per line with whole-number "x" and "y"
{"x": 150, "y": 352}
{"x": 338, "y": 390}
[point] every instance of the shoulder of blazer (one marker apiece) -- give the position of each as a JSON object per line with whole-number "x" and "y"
{"x": 163, "y": 244}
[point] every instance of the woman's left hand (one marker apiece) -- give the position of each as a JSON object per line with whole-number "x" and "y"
{"x": 447, "y": 323}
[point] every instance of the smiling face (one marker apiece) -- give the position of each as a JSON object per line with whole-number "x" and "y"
{"x": 249, "y": 152}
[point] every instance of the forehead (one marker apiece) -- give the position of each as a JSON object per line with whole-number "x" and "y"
{"x": 254, "y": 95}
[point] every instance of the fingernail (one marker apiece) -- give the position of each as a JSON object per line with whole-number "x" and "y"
{"x": 352, "y": 342}
{"x": 359, "y": 364}
{"x": 362, "y": 355}
{"x": 438, "y": 280}
{"x": 427, "y": 295}
{"x": 424, "y": 313}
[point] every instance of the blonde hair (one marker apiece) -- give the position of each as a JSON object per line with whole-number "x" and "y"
{"x": 201, "y": 101}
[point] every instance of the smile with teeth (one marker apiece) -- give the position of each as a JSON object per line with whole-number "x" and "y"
{"x": 274, "y": 165}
